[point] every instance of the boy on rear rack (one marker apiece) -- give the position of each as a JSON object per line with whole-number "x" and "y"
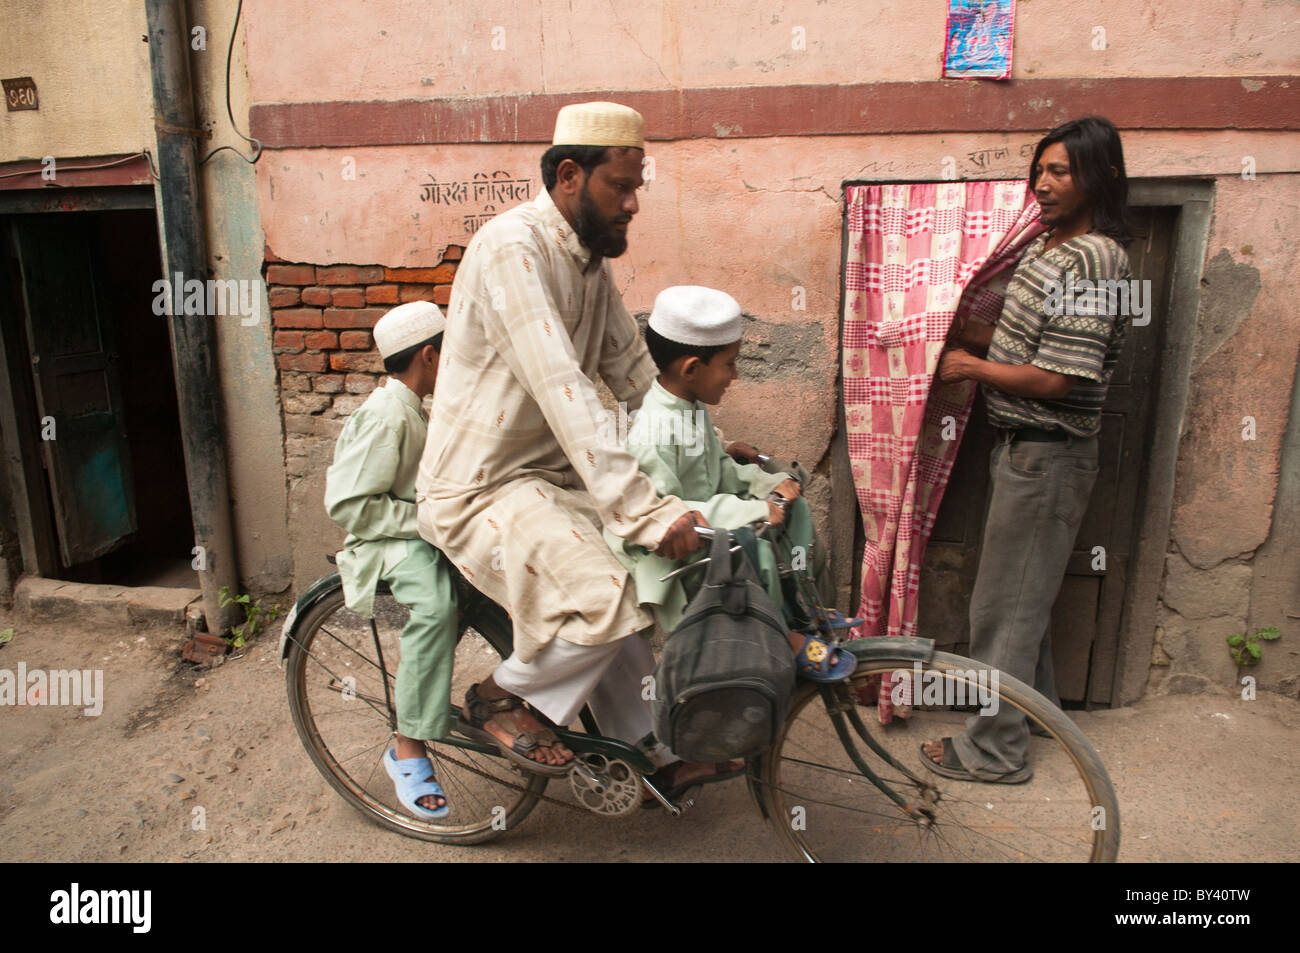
{"x": 370, "y": 492}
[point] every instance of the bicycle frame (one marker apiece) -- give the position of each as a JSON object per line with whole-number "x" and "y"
{"x": 591, "y": 741}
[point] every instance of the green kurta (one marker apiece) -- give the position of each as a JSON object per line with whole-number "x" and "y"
{"x": 370, "y": 492}
{"x": 677, "y": 447}
{"x": 370, "y": 489}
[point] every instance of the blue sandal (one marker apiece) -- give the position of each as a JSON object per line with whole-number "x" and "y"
{"x": 814, "y": 661}
{"x": 834, "y": 621}
{"x": 408, "y": 776}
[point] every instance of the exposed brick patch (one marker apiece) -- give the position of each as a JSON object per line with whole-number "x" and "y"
{"x": 344, "y": 404}
{"x": 416, "y": 293}
{"x": 284, "y": 297}
{"x": 349, "y": 274}
{"x": 322, "y": 340}
{"x": 442, "y": 275}
{"x": 349, "y": 298}
{"x": 296, "y": 382}
{"x": 291, "y": 274}
{"x": 301, "y": 362}
{"x": 288, "y": 340}
{"x": 360, "y": 383}
{"x": 356, "y": 361}
{"x": 299, "y": 423}
{"x": 322, "y": 320}
{"x": 297, "y": 318}
{"x": 353, "y": 317}
{"x": 306, "y": 403}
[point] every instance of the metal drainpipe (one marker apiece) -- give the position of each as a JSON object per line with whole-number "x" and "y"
{"x": 193, "y": 337}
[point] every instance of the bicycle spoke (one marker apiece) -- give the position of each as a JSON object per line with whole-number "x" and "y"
{"x": 848, "y": 816}
{"x": 348, "y": 726}
{"x": 365, "y": 658}
{"x": 368, "y": 711}
{"x": 339, "y": 679}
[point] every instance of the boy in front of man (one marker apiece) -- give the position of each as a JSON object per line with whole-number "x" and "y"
{"x": 370, "y": 492}
{"x": 694, "y": 339}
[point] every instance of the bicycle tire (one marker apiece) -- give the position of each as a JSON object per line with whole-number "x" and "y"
{"x": 1018, "y": 807}
{"x": 374, "y": 796}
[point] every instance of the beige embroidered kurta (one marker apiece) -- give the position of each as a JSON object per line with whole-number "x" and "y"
{"x": 523, "y": 468}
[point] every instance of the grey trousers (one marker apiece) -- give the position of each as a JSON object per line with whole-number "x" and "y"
{"x": 1040, "y": 494}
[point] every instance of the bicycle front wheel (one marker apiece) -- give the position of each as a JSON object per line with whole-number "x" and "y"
{"x": 817, "y": 790}
{"x": 340, "y": 676}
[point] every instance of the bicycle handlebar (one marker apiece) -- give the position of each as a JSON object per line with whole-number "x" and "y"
{"x": 709, "y": 532}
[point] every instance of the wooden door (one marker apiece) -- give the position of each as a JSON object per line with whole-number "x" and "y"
{"x": 74, "y": 368}
{"x": 1086, "y": 618}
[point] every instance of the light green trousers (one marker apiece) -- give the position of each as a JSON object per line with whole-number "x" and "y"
{"x": 422, "y": 583}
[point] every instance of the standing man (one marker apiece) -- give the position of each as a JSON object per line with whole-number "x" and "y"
{"x": 1049, "y": 360}
{"x": 522, "y": 469}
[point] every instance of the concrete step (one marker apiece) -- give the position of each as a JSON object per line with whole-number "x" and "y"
{"x": 48, "y": 600}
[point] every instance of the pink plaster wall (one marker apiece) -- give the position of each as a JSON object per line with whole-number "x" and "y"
{"x": 757, "y": 217}
{"x": 758, "y": 214}
{"x": 305, "y": 50}
{"x": 1246, "y": 362}
{"x": 760, "y": 217}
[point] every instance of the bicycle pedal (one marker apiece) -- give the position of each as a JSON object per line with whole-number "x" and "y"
{"x": 687, "y": 800}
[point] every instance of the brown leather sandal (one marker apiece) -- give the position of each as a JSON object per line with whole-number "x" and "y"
{"x": 667, "y": 776}
{"x": 479, "y": 711}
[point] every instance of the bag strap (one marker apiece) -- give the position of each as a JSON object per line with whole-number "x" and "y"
{"x": 722, "y": 579}
{"x": 719, "y": 572}
{"x": 748, "y": 544}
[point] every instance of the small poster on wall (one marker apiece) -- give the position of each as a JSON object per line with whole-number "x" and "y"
{"x": 979, "y": 39}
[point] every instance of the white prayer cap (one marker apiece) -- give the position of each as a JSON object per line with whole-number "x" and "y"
{"x": 690, "y": 314}
{"x": 599, "y": 124}
{"x": 408, "y": 325}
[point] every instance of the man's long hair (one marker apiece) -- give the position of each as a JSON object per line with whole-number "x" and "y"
{"x": 1094, "y": 148}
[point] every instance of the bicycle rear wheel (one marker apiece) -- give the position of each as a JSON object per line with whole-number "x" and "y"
{"x": 817, "y": 793}
{"x": 336, "y": 677}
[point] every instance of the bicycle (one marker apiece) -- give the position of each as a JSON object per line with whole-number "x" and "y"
{"x": 837, "y": 786}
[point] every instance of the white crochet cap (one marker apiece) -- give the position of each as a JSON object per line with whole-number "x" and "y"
{"x": 690, "y": 314}
{"x": 408, "y": 325}
{"x": 599, "y": 124}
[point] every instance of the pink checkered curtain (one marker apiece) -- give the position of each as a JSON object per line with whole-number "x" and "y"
{"x": 918, "y": 255}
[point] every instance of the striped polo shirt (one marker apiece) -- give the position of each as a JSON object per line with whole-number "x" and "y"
{"x": 1056, "y": 317}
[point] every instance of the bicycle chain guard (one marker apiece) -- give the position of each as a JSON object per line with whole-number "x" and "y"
{"x": 604, "y": 785}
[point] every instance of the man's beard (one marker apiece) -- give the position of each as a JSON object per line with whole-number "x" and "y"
{"x": 595, "y": 231}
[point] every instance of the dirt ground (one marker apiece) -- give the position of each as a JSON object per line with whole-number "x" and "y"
{"x": 1199, "y": 777}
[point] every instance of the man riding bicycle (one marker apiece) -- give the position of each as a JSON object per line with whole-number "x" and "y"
{"x": 519, "y": 476}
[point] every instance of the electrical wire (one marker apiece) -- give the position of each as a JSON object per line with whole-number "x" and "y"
{"x": 230, "y": 112}
{"x": 256, "y": 144}
{"x": 87, "y": 168}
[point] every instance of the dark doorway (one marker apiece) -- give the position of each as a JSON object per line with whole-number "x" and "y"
{"x": 1086, "y": 619}
{"x": 107, "y": 498}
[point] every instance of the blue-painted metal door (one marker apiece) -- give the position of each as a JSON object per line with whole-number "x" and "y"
{"x": 74, "y": 365}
